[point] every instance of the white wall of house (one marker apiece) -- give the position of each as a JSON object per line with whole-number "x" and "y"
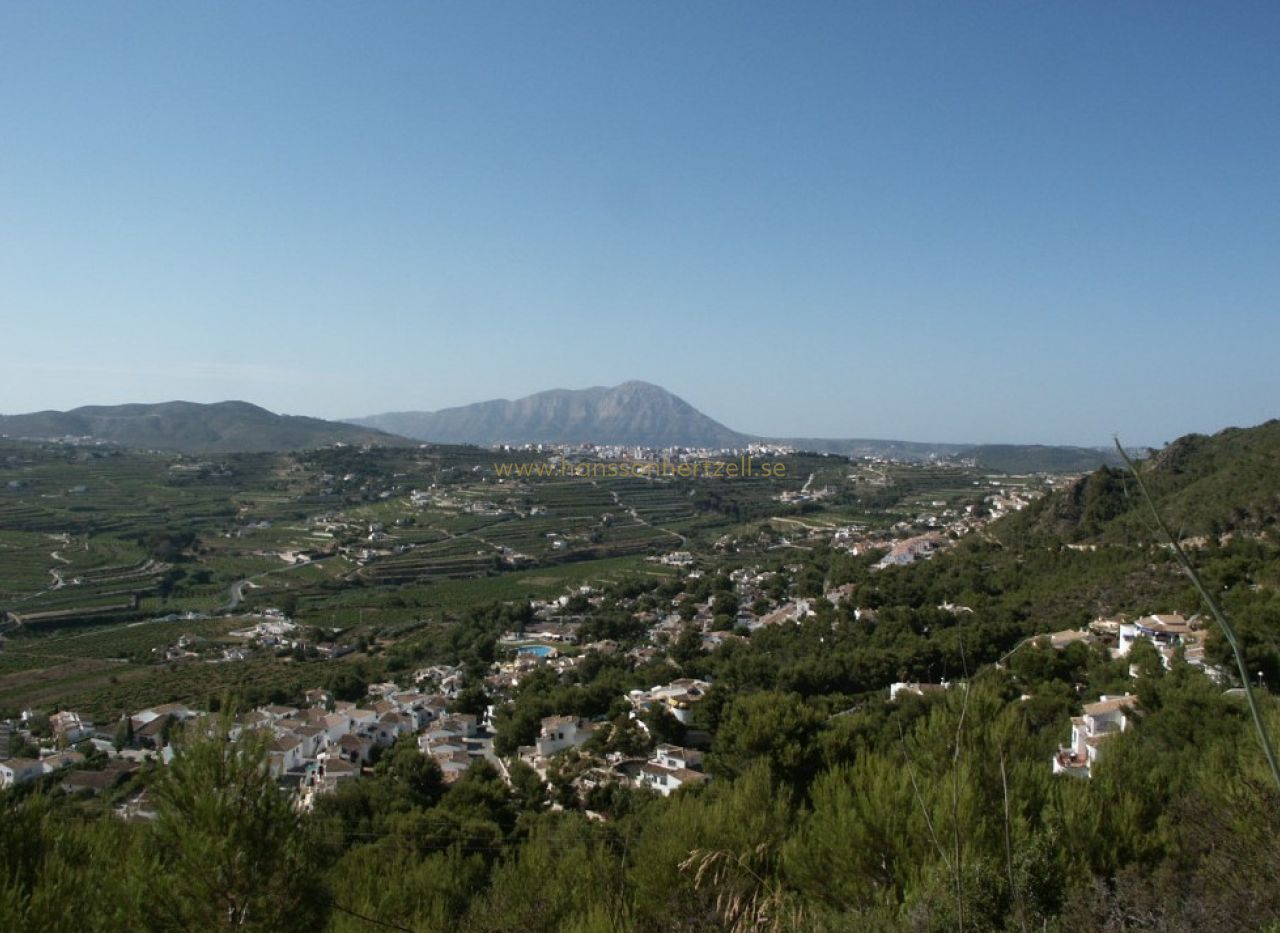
{"x": 558, "y": 736}
{"x": 19, "y": 770}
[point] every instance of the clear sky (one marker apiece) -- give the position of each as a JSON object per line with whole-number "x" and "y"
{"x": 972, "y": 221}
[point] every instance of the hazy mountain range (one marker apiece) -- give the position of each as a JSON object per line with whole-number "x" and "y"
{"x": 633, "y": 413}
{"x": 191, "y": 427}
{"x": 647, "y": 415}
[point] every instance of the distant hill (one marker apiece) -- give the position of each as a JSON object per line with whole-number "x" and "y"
{"x": 191, "y": 427}
{"x": 631, "y": 413}
{"x": 998, "y": 458}
{"x": 1037, "y": 458}
{"x": 868, "y": 447}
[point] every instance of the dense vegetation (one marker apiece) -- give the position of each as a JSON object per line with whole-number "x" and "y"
{"x": 830, "y": 807}
{"x": 924, "y": 816}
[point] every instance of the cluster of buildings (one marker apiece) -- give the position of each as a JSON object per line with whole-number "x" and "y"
{"x": 49, "y": 750}
{"x": 271, "y": 631}
{"x": 454, "y": 741}
{"x": 54, "y": 753}
{"x": 1111, "y": 714}
{"x": 1170, "y": 634}
{"x": 910, "y": 550}
{"x": 312, "y": 748}
{"x": 666, "y": 770}
{"x": 936, "y": 527}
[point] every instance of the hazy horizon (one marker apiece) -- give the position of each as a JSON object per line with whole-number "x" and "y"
{"x": 934, "y": 222}
{"x": 1105, "y": 442}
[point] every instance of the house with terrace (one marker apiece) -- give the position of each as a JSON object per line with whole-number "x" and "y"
{"x": 678, "y": 697}
{"x": 670, "y": 768}
{"x": 1165, "y": 631}
{"x": 1099, "y": 721}
{"x": 561, "y": 732}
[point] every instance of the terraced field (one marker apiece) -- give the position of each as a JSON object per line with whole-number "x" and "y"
{"x": 40, "y": 667}
{"x": 356, "y": 545}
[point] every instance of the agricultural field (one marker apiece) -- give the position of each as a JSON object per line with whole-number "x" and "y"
{"x": 108, "y": 556}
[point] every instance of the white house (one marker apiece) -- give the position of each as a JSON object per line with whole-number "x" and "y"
{"x": 314, "y": 739}
{"x": 671, "y": 768}
{"x": 176, "y": 710}
{"x": 432, "y": 743}
{"x": 919, "y": 689}
{"x": 332, "y": 771}
{"x": 336, "y": 725}
{"x": 59, "y": 760}
{"x": 318, "y": 697}
{"x": 1162, "y": 630}
{"x": 354, "y": 747}
{"x": 392, "y": 725}
{"x": 1109, "y": 716}
{"x": 412, "y": 702}
{"x": 450, "y": 728}
{"x": 561, "y": 732}
{"x": 678, "y": 696}
{"x": 19, "y": 770}
{"x": 463, "y": 724}
{"x": 277, "y": 712}
{"x": 362, "y": 720}
{"x": 453, "y": 763}
{"x": 70, "y": 728}
{"x": 1065, "y": 638}
{"x": 285, "y": 754}
{"x": 673, "y": 756}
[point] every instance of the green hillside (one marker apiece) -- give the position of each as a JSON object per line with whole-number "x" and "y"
{"x": 1037, "y": 458}
{"x": 190, "y": 427}
{"x": 1204, "y": 485}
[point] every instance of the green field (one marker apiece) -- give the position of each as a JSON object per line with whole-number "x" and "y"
{"x": 97, "y": 543}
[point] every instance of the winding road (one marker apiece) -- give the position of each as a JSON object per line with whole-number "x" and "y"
{"x": 631, "y": 510}
{"x": 235, "y": 595}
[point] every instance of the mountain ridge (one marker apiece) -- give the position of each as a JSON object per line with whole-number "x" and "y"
{"x": 633, "y": 413}
{"x": 191, "y": 427}
{"x": 600, "y": 415}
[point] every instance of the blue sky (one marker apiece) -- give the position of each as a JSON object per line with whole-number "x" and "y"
{"x": 951, "y": 222}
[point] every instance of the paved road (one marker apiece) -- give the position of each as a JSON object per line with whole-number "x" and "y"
{"x": 486, "y": 749}
{"x": 235, "y": 595}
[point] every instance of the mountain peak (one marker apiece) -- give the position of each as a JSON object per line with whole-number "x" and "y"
{"x": 633, "y": 412}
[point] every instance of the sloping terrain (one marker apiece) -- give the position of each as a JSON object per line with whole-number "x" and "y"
{"x": 191, "y": 427}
